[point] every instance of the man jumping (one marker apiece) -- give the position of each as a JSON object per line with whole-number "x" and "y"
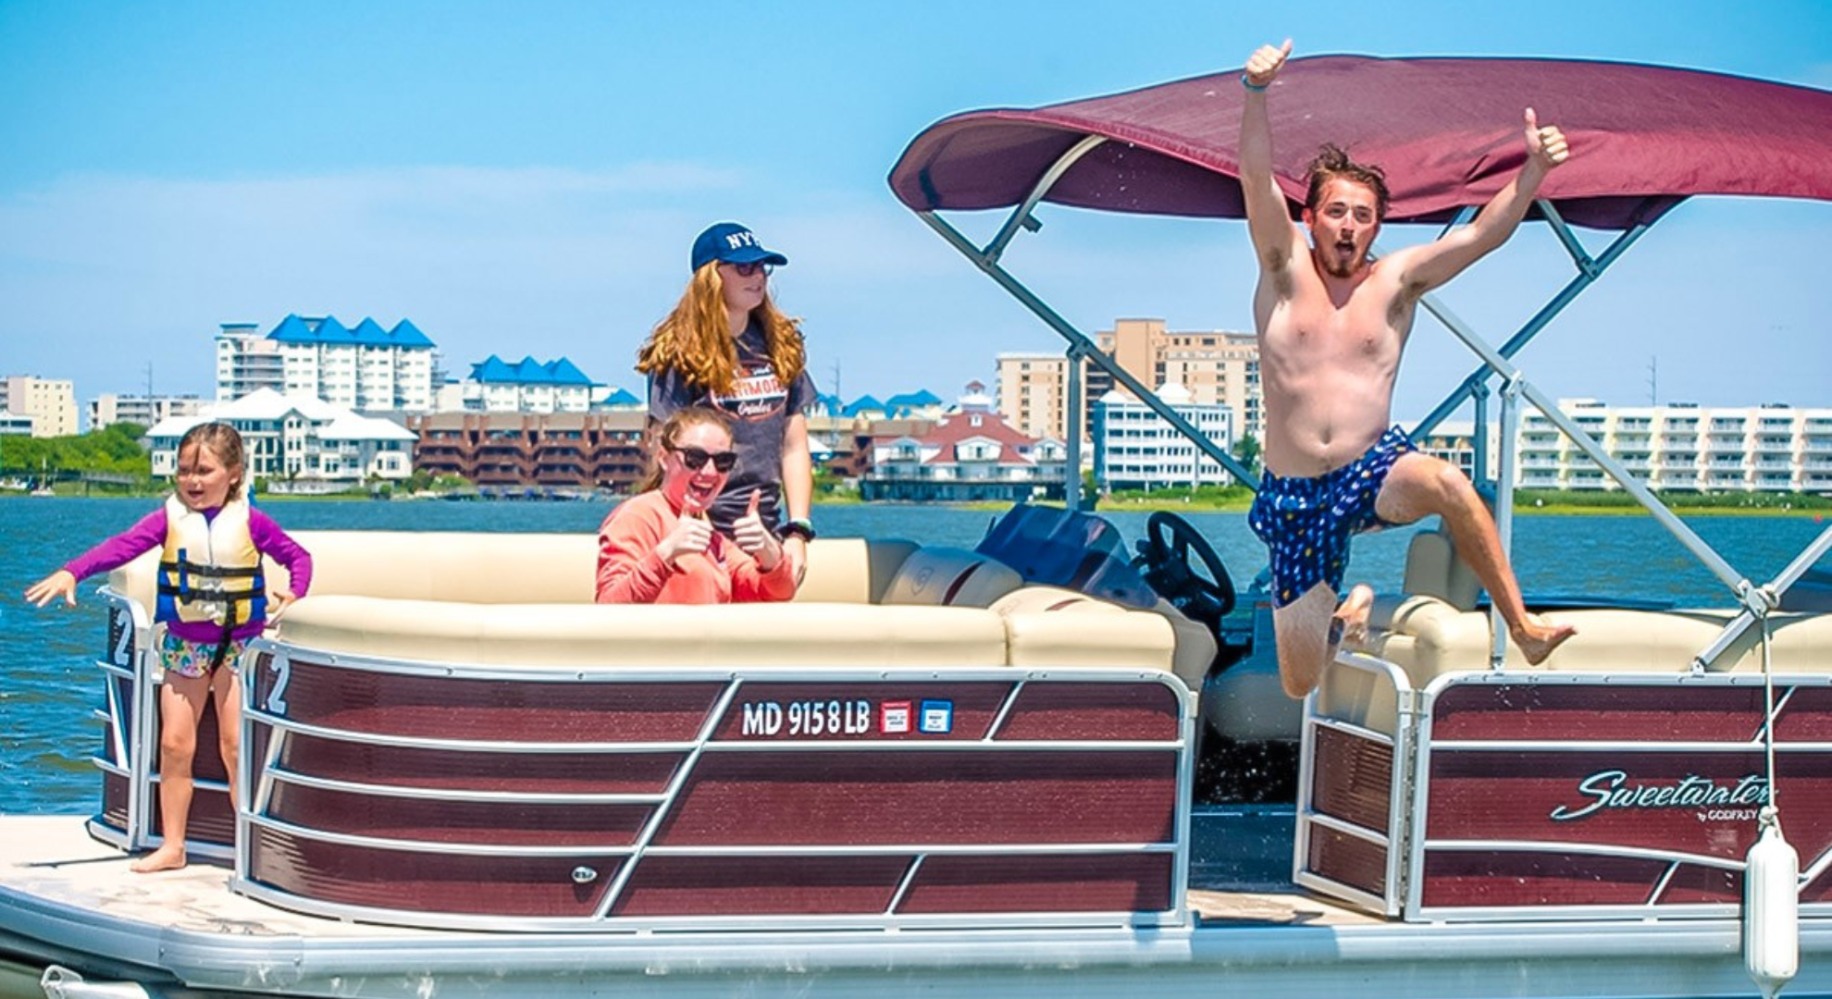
{"x": 1332, "y": 326}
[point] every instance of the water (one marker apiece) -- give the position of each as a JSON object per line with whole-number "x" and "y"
{"x": 49, "y": 687}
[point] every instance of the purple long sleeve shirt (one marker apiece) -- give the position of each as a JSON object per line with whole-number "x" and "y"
{"x": 149, "y": 533}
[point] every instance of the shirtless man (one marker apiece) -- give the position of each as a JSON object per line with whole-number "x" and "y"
{"x": 1331, "y": 329}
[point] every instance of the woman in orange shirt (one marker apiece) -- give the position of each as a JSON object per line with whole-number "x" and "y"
{"x": 657, "y": 547}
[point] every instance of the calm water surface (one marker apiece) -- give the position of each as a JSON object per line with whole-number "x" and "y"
{"x": 49, "y": 687}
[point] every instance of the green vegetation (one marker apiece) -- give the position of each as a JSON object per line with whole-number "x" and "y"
{"x": 114, "y": 453}
{"x": 1560, "y": 501}
{"x": 830, "y": 487}
{"x": 1526, "y": 501}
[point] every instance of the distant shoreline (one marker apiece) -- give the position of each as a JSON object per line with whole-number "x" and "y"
{"x": 1614, "y": 507}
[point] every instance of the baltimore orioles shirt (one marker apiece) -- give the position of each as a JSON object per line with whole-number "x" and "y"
{"x": 760, "y": 406}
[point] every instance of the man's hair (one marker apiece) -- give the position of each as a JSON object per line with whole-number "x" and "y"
{"x": 1333, "y": 163}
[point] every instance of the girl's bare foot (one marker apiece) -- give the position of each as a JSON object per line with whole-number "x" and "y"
{"x": 1349, "y": 625}
{"x": 169, "y": 857}
{"x": 1537, "y": 637}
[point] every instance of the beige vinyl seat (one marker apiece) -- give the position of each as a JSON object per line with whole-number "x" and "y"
{"x": 526, "y": 599}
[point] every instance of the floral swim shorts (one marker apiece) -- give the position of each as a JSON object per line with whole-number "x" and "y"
{"x": 1307, "y": 523}
{"x": 193, "y": 659}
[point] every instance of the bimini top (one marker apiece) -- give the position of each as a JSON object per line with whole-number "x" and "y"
{"x": 1447, "y": 132}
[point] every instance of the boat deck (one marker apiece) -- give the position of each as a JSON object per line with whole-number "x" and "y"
{"x": 70, "y": 900}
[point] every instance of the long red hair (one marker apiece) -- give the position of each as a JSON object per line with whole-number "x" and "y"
{"x": 695, "y": 339}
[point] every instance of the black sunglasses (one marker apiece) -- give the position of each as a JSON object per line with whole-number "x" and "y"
{"x": 696, "y": 458}
{"x": 751, "y": 269}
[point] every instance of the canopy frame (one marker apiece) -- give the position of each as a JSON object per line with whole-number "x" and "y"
{"x": 1756, "y": 600}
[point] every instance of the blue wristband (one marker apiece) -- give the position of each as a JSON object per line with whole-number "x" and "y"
{"x": 1250, "y": 85}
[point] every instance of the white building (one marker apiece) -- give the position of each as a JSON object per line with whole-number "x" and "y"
{"x": 1134, "y": 448}
{"x": 298, "y": 444}
{"x": 527, "y": 386}
{"x": 50, "y": 402}
{"x": 108, "y": 409}
{"x": 970, "y": 454}
{"x": 365, "y": 368}
{"x": 1772, "y": 448}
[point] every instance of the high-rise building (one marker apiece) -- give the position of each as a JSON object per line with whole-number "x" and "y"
{"x": 1216, "y": 367}
{"x": 1681, "y": 446}
{"x": 1134, "y": 448}
{"x": 50, "y": 402}
{"x": 365, "y": 367}
{"x": 108, "y": 409}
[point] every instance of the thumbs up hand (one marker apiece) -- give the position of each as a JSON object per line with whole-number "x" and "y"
{"x": 754, "y": 539}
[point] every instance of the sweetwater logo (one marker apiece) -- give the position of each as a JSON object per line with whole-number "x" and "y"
{"x": 1714, "y": 801}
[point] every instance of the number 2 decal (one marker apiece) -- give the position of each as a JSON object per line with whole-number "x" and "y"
{"x": 121, "y": 651}
{"x": 276, "y": 694}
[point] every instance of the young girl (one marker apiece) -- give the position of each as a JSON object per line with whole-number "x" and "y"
{"x": 658, "y": 547}
{"x": 211, "y": 600}
{"x": 727, "y": 346}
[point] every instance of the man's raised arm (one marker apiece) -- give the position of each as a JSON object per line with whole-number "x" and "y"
{"x": 1268, "y": 221}
{"x": 1433, "y": 264}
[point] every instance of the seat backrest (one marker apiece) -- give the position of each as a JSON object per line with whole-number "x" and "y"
{"x": 1433, "y": 569}
{"x": 951, "y": 577}
{"x": 851, "y": 570}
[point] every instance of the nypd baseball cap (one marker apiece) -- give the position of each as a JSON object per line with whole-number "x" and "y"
{"x": 731, "y": 243}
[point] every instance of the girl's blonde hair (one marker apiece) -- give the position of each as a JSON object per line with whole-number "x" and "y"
{"x": 695, "y": 339}
{"x": 663, "y": 437}
{"x": 226, "y": 445}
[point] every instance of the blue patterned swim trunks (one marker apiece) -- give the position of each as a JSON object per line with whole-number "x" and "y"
{"x": 1307, "y": 523}
{"x": 193, "y": 659}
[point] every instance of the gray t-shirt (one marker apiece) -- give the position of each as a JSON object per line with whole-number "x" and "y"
{"x": 760, "y": 407}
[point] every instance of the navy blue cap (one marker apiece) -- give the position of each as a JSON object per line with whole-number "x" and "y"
{"x": 732, "y": 243}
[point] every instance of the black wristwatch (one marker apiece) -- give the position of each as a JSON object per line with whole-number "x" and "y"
{"x": 798, "y": 527}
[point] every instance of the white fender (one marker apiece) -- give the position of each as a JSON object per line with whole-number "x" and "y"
{"x": 1771, "y": 909}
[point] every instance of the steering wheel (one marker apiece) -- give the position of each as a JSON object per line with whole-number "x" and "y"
{"x": 1205, "y": 596}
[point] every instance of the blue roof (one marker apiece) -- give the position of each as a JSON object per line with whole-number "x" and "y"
{"x": 913, "y": 400}
{"x": 406, "y": 334}
{"x": 862, "y": 404}
{"x": 621, "y": 397}
{"x": 369, "y": 333}
{"x": 529, "y": 371}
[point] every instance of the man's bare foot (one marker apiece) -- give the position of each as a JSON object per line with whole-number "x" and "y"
{"x": 1349, "y": 625}
{"x": 169, "y": 857}
{"x": 1537, "y": 637}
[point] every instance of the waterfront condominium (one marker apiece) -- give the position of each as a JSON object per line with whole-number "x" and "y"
{"x": 1682, "y": 446}
{"x": 50, "y": 403}
{"x": 364, "y": 367}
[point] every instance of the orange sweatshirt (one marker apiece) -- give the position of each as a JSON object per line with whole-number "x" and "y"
{"x": 629, "y": 571}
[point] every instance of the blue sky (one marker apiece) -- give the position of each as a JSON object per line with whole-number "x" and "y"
{"x": 527, "y": 178}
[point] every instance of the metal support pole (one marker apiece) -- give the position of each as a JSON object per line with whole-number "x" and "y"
{"x": 1080, "y": 342}
{"x": 1071, "y": 479}
{"x": 1504, "y": 508}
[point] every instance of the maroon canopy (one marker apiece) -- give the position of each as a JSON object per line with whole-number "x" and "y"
{"x": 1447, "y": 132}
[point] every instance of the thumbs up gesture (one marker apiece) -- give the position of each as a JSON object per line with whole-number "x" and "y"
{"x": 691, "y": 535}
{"x": 1545, "y": 143}
{"x": 754, "y": 539}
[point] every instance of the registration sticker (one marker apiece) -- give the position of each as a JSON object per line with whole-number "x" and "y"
{"x": 938, "y": 717}
{"x": 894, "y": 717}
